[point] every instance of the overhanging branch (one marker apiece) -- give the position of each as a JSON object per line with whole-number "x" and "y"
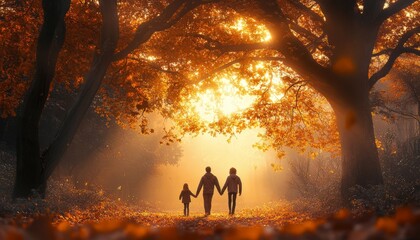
{"x": 166, "y": 19}
{"x": 395, "y": 53}
{"x": 300, "y": 6}
{"x": 212, "y": 44}
{"x": 393, "y": 9}
{"x": 236, "y": 61}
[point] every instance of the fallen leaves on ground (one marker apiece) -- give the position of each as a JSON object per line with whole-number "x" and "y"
{"x": 271, "y": 221}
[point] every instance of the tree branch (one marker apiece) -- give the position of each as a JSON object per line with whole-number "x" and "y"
{"x": 300, "y": 6}
{"x": 168, "y": 17}
{"x": 395, "y": 53}
{"x": 303, "y": 31}
{"x": 389, "y": 50}
{"x": 404, "y": 114}
{"x": 371, "y": 9}
{"x": 239, "y": 60}
{"x": 393, "y": 9}
{"x": 296, "y": 54}
{"x": 212, "y": 44}
{"x": 158, "y": 68}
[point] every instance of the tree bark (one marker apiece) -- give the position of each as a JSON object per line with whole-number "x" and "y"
{"x": 50, "y": 41}
{"x": 360, "y": 160}
{"x": 93, "y": 80}
{"x": 33, "y": 169}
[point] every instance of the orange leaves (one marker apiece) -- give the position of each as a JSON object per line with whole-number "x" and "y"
{"x": 275, "y": 220}
{"x": 107, "y": 226}
{"x": 342, "y": 214}
{"x": 405, "y": 215}
{"x": 386, "y": 224}
{"x": 135, "y": 231}
{"x": 300, "y": 229}
{"x": 250, "y": 233}
{"x": 17, "y": 51}
{"x": 12, "y": 233}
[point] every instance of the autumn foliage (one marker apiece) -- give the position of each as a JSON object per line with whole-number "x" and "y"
{"x": 307, "y": 73}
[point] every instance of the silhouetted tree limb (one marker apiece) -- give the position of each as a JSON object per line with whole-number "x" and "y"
{"x": 213, "y": 44}
{"x": 239, "y": 60}
{"x": 396, "y": 52}
{"x": 389, "y": 50}
{"x": 166, "y": 19}
{"x": 300, "y": 6}
{"x": 393, "y": 9}
{"x": 401, "y": 113}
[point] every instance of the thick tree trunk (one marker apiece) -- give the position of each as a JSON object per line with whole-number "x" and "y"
{"x": 50, "y": 41}
{"x": 34, "y": 170}
{"x": 360, "y": 161}
{"x": 109, "y": 38}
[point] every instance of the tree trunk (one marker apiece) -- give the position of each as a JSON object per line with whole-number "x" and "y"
{"x": 109, "y": 38}
{"x": 50, "y": 41}
{"x": 34, "y": 170}
{"x": 360, "y": 161}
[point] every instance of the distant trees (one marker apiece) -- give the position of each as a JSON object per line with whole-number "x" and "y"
{"x": 397, "y": 98}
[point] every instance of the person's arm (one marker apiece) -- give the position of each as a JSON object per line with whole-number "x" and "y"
{"x": 200, "y": 185}
{"x": 192, "y": 194}
{"x": 225, "y": 186}
{"x": 180, "y": 195}
{"x": 217, "y": 185}
{"x": 240, "y": 186}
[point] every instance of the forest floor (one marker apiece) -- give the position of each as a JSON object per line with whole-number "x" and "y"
{"x": 72, "y": 213}
{"x": 272, "y": 221}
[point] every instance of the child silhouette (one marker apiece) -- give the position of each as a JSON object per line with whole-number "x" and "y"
{"x": 186, "y": 199}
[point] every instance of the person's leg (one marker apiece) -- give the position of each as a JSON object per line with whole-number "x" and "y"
{"x": 188, "y": 209}
{"x": 233, "y": 202}
{"x": 210, "y": 197}
{"x": 230, "y": 202}
{"x": 185, "y": 209}
{"x": 206, "y": 203}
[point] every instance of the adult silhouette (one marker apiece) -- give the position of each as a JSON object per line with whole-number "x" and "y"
{"x": 208, "y": 182}
{"x": 233, "y": 182}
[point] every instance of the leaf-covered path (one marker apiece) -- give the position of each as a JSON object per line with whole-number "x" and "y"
{"x": 276, "y": 214}
{"x": 271, "y": 221}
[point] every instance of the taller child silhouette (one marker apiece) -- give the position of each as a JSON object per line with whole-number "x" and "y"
{"x": 208, "y": 182}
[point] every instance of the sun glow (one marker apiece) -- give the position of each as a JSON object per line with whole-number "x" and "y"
{"x": 230, "y": 94}
{"x": 212, "y": 104}
{"x": 251, "y": 29}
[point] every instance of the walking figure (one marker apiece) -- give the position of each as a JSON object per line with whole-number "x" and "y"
{"x": 185, "y": 196}
{"x": 208, "y": 182}
{"x": 232, "y": 183}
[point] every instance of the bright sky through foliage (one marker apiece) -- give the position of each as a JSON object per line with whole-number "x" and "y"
{"x": 228, "y": 98}
{"x": 233, "y": 95}
{"x": 222, "y": 101}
